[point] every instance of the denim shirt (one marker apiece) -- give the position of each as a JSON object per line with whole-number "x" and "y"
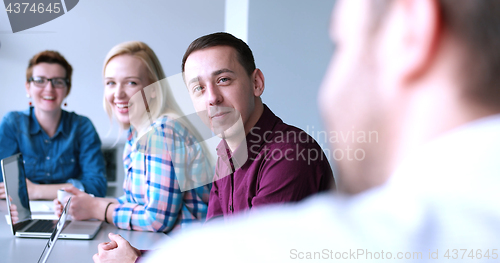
{"x": 73, "y": 155}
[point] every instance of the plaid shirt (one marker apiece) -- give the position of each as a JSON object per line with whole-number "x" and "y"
{"x": 153, "y": 200}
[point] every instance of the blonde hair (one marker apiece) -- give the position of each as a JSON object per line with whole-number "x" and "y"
{"x": 164, "y": 103}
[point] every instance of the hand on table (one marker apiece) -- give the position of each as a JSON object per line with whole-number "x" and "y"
{"x": 32, "y": 188}
{"x": 81, "y": 206}
{"x": 117, "y": 250}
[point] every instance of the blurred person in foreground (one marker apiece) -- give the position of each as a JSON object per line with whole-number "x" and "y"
{"x": 423, "y": 74}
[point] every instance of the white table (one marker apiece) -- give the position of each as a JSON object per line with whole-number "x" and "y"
{"x": 20, "y": 250}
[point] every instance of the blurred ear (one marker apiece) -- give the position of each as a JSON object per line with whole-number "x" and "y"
{"x": 413, "y": 34}
{"x": 258, "y": 82}
{"x": 27, "y": 85}
{"x": 67, "y": 93}
{"x": 153, "y": 93}
{"x": 152, "y": 87}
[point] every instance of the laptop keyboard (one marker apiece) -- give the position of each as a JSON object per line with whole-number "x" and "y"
{"x": 43, "y": 226}
{"x": 21, "y": 225}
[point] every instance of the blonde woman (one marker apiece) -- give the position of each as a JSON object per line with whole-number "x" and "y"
{"x": 161, "y": 149}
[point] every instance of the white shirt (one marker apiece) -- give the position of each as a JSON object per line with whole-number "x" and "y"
{"x": 443, "y": 201}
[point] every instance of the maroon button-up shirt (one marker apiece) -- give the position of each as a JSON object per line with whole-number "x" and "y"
{"x": 284, "y": 164}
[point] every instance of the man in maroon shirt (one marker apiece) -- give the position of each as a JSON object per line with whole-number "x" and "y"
{"x": 261, "y": 160}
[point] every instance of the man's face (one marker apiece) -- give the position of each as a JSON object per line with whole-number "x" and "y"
{"x": 219, "y": 85}
{"x": 349, "y": 101}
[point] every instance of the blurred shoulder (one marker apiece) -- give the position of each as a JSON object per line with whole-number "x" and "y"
{"x": 16, "y": 117}
{"x": 72, "y": 117}
{"x": 169, "y": 126}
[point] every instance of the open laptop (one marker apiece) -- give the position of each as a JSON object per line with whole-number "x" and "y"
{"x": 55, "y": 234}
{"x": 14, "y": 178}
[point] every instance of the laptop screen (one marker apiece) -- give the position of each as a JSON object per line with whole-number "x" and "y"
{"x": 15, "y": 184}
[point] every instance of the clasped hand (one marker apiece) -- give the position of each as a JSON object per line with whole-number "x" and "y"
{"x": 117, "y": 250}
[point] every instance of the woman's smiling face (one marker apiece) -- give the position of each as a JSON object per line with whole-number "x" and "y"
{"x": 49, "y": 97}
{"x": 124, "y": 76}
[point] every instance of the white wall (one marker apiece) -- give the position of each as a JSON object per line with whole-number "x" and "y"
{"x": 289, "y": 39}
{"x": 291, "y": 46}
{"x": 86, "y": 33}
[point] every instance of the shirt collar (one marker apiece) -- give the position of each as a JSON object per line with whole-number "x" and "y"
{"x": 131, "y": 134}
{"x": 64, "y": 126}
{"x": 254, "y": 139}
{"x": 34, "y": 125}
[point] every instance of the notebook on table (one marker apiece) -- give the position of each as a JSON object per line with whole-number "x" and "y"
{"x": 14, "y": 178}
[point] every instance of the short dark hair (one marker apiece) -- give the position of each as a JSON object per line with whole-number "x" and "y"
{"x": 52, "y": 57}
{"x": 243, "y": 51}
{"x": 476, "y": 24}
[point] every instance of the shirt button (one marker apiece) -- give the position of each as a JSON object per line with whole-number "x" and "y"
{"x": 231, "y": 208}
{"x": 46, "y": 141}
{"x": 48, "y": 158}
{"x": 48, "y": 174}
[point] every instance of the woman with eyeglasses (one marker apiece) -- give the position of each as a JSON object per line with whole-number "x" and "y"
{"x": 59, "y": 148}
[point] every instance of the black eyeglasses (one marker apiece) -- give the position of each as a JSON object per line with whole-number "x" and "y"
{"x": 56, "y": 82}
